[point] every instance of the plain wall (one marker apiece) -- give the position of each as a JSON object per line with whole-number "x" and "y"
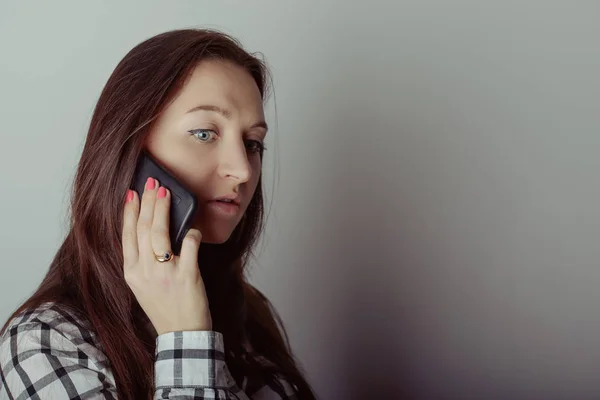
{"x": 432, "y": 172}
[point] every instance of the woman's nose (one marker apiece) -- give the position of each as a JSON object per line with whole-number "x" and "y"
{"x": 233, "y": 161}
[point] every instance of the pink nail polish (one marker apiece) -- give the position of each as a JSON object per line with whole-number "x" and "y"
{"x": 129, "y": 196}
{"x": 150, "y": 184}
{"x": 162, "y": 192}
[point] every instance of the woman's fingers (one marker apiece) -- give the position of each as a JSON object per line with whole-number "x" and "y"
{"x": 129, "y": 234}
{"x": 145, "y": 220}
{"x": 161, "y": 241}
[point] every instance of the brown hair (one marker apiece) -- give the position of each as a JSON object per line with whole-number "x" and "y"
{"x": 82, "y": 278}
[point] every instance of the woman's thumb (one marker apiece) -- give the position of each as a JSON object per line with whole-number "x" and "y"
{"x": 189, "y": 248}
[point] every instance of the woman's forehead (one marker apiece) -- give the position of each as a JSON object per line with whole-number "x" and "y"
{"x": 221, "y": 84}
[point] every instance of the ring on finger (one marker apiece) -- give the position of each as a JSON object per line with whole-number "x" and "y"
{"x": 164, "y": 257}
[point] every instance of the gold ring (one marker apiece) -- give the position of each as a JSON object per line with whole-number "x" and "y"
{"x": 164, "y": 257}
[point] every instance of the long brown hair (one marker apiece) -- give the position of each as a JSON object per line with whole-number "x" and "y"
{"x": 86, "y": 274}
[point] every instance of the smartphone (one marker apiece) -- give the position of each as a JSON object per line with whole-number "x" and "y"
{"x": 183, "y": 202}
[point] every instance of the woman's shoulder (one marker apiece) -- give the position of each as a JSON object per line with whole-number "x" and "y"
{"x": 49, "y": 321}
{"x": 50, "y": 352}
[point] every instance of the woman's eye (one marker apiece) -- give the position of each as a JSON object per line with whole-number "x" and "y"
{"x": 254, "y": 146}
{"x": 204, "y": 135}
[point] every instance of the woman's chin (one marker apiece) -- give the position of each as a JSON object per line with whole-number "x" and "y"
{"x": 214, "y": 240}
{"x": 213, "y": 236}
{"x": 214, "y": 233}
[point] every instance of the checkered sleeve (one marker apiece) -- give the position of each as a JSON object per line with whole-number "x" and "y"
{"x": 191, "y": 364}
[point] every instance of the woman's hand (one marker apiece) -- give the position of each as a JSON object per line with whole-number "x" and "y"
{"x": 171, "y": 293}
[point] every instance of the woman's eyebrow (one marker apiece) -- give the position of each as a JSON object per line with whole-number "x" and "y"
{"x": 226, "y": 113}
{"x": 223, "y": 111}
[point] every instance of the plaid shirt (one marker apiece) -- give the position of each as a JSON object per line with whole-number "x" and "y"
{"x": 46, "y": 354}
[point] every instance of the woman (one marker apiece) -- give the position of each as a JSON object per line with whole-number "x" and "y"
{"x": 115, "y": 319}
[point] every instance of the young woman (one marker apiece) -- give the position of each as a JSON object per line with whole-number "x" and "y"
{"x": 118, "y": 315}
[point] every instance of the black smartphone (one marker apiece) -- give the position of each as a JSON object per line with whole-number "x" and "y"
{"x": 183, "y": 202}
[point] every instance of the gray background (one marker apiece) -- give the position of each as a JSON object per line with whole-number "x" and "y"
{"x": 435, "y": 227}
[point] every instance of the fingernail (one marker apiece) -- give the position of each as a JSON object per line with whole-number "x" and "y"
{"x": 162, "y": 192}
{"x": 150, "y": 184}
{"x": 129, "y": 196}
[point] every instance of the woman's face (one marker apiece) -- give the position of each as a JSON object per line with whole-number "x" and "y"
{"x": 210, "y": 137}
